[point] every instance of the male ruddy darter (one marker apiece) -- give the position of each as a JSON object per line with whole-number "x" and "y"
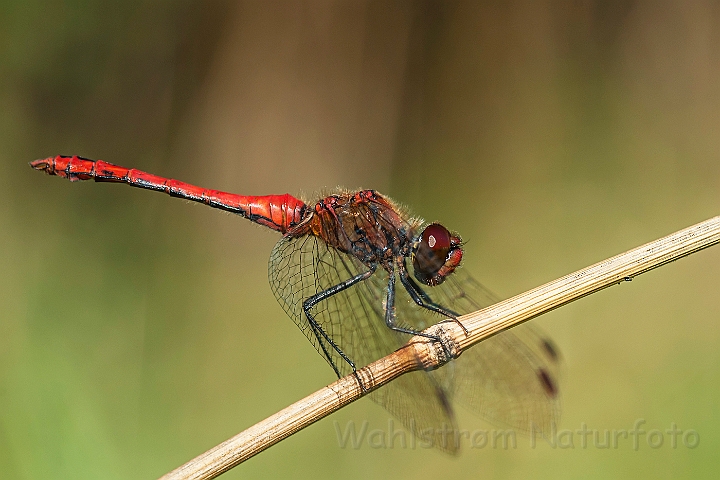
{"x": 334, "y": 272}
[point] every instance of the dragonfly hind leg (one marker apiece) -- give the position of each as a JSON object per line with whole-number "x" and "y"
{"x": 317, "y": 329}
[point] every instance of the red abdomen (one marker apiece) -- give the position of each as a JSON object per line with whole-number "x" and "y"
{"x": 279, "y": 212}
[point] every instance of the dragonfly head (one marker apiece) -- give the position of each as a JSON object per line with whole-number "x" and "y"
{"x": 436, "y": 254}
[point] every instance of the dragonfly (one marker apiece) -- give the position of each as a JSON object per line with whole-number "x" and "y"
{"x": 359, "y": 275}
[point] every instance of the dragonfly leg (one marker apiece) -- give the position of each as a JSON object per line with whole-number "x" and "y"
{"x": 390, "y": 317}
{"x": 423, "y": 299}
{"x": 318, "y": 331}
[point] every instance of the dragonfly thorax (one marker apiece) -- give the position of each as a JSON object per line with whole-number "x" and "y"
{"x": 373, "y": 229}
{"x": 365, "y": 225}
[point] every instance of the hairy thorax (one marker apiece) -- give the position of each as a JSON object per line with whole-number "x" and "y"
{"x": 363, "y": 224}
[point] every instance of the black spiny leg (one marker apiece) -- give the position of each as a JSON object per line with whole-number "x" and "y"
{"x": 318, "y": 331}
{"x": 423, "y": 299}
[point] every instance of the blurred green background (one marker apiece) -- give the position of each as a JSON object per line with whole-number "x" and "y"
{"x": 138, "y": 330}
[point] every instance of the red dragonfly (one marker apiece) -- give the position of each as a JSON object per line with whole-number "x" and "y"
{"x": 334, "y": 272}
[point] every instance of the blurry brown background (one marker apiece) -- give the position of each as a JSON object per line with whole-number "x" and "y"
{"x": 138, "y": 330}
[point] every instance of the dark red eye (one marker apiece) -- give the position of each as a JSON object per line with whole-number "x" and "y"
{"x": 436, "y": 255}
{"x": 437, "y": 238}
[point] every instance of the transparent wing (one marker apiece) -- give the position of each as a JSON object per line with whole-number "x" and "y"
{"x": 354, "y": 320}
{"x": 505, "y": 378}
{"x": 416, "y": 399}
{"x": 304, "y": 266}
{"x": 510, "y": 379}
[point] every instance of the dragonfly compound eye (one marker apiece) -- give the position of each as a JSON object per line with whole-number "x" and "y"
{"x": 437, "y": 254}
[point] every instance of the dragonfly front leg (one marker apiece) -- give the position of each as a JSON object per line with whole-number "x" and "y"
{"x": 423, "y": 299}
{"x": 320, "y": 333}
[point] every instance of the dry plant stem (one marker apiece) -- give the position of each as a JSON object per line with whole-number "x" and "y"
{"x": 418, "y": 353}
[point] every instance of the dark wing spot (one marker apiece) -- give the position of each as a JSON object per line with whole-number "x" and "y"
{"x": 547, "y": 383}
{"x": 550, "y": 349}
{"x": 444, "y": 400}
